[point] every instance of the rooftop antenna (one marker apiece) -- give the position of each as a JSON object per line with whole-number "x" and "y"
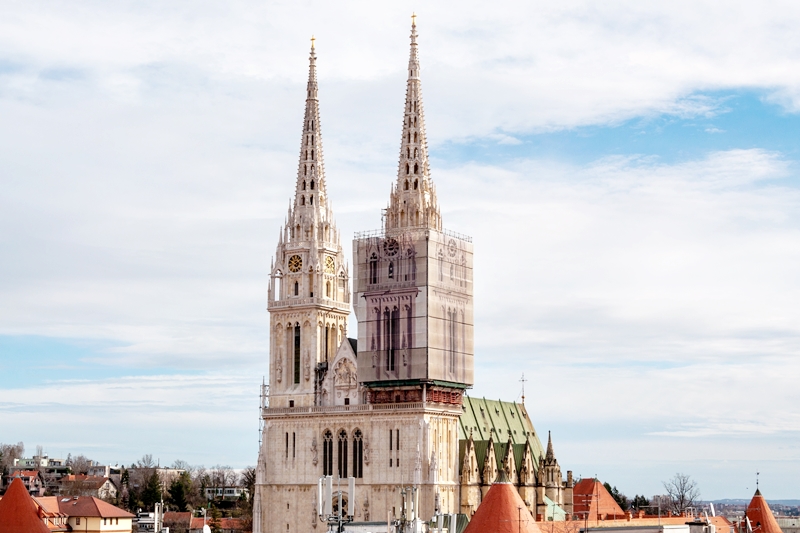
{"x": 757, "y": 474}
{"x": 523, "y": 380}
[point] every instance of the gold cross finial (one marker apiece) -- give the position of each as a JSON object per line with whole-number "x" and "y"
{"x": 312, "y": 41}
{"x": 413, "y": 19}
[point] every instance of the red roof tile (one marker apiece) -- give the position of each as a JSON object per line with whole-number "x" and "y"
{"x": 224, "y": 523}
{"x": 91, "y": 506}
{"x": 502, "y": 511}
{"x": 18, "y": 512}
{"x": 760, "y": 515}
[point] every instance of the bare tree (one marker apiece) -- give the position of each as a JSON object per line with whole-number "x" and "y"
{"x": 683, "y": 492}
{"x": 146, "y": 461}
{"x": 79, "y": 464}
{"x": 9, "y": 452}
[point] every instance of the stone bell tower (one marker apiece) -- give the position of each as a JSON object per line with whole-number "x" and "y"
{"x": 309, "y": 290}
{"x": 413, "y": 282}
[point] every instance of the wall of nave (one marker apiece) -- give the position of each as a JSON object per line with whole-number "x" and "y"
{"x": 383, "y": 451}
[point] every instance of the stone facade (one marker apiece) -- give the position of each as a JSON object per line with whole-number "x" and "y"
{"x": 388, "y": 409}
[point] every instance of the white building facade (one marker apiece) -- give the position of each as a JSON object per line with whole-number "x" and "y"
{"x": 386, "y": 409}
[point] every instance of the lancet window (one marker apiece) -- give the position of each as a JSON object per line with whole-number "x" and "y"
{"x": 327, "y": 453}
{"x": 342, "y": 454}
{"x": 297, "y": 353}
{"x": 358, "y": 454}
{"x": 373, "y": 269}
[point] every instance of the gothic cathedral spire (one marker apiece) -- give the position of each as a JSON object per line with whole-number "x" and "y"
{"x": 311, "y": 191}
{"x": 309, "y": 294}
{"x": 413, "y": 199}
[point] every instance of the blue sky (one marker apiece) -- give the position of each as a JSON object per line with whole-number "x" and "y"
{"x": 629, "y": 174}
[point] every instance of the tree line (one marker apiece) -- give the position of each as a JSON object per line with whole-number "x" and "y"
{"x": 682, "y": 493}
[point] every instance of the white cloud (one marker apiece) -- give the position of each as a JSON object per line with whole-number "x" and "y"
{"x": 149, "y": 151}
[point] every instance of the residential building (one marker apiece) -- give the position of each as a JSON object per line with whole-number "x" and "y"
{"x": 33, "y": 480}
{"x": 225, "y": 493}
{"x": 83, "y": 485}
{"x": 92, "y": 515}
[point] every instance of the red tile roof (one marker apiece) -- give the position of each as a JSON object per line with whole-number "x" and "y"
{"x": 91, "y": 506}
{"x": 224, "y": 523}
{"x": 502, "y": 511}
{"x": 25, "y": 473}
{"x": 18, "y": 512}
{"x": 590, "y": 496}
{"x": 760, "y": 515}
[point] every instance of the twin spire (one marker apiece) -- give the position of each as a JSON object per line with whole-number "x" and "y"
{"x": 311, "y": 189}
{"x": 413, "y": 198}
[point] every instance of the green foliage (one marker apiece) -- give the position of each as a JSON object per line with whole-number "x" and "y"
{"x": 151, "y": 492}
{"x": 179, "y": 491}
{"x": 642, "y": 503}
{"x": 214, "y": 523}
{"x": 620, "y": 498}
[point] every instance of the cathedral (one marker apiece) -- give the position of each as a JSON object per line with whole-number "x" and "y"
{"x": 389, "y": 408}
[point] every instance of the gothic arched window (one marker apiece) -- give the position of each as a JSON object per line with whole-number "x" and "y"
{"x": 312, "y": 185}
{"x": 328, "y": 289}
{"x": 311, "y": 199}
{"x": 415, "y": 140}
{"x": 391, "y": 269}
{"x": 416, "y": 184}
{"x": 373, "y": 269}
{"x": 408, "y": 171}
{"x": 327, "y": 453}
{"x": 342, "y": 453}
{"x": 297, "y": 353}
{"x": 406, "y": 185}
{"x": 304, "y": 184}
{"x": 302, "y": 200}
{"x": 296, "y": 289}
{"x": 416, "y": 168}
{"x": 358, "y": 454}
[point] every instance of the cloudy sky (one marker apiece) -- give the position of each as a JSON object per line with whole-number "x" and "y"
{"x": 628, "y": 171}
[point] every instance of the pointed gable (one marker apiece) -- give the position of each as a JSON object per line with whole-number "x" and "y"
{"x": 760, "y": 515}
{"x": 592, "y": 499}
{"x": 18, "y": 512}
{"x": 502, "y": 511}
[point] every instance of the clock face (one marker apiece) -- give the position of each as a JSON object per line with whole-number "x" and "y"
{"x": 391, "y": 247}
{"x": 451, "y": 248}
{"x": 295, "y": 263}
{"x": 330, "y": 266}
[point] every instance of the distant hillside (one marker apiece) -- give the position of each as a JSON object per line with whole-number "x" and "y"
{"x": 742, "y": 501}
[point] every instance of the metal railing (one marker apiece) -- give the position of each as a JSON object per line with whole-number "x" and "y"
{"x": 291, "y": 302}
{"x": 359, "y": 408}
{"x": 410, "y": 229}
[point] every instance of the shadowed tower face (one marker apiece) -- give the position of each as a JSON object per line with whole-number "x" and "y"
{"x": 414, "y": 282}
{"x": 309, "y": 294}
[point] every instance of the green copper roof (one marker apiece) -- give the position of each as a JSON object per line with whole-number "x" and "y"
{"x": 496, "y": 420}
{"x": 554, "y": 511}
